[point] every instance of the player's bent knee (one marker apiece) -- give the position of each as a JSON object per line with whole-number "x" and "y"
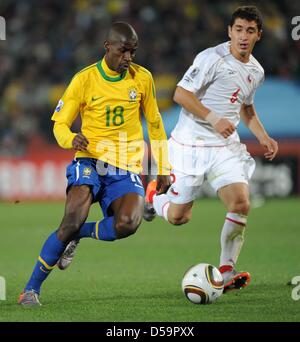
{"x": 67, "y": 232}
{"x": 179, "y": 217}
{"x": 126, "y": 226}
{"x": 179, "y": 220}
{"x": 241, "y": 207}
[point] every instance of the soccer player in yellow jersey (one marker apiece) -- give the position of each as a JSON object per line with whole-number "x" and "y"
{"x": 109, "y": 96}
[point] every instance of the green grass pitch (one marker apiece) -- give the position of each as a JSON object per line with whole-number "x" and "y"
{"x": 139, "y": 278}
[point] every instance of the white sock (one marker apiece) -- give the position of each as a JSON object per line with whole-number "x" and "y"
{"x": 232, "y": 238}
{"x": 161, "y": 205}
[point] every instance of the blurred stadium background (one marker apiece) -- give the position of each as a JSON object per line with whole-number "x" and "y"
{"x": 49, "y": 41}
{"x": 134, "y": 279}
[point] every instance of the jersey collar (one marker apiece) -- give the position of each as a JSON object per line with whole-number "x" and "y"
{"x": 107, "y": 73}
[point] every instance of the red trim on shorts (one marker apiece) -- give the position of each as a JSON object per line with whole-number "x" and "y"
{"x": 173, "y": 177}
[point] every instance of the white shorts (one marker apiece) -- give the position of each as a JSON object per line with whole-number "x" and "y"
{"x": 220, "y": 166}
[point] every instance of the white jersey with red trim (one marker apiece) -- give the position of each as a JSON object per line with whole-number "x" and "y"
{"x": 222, "y": 83}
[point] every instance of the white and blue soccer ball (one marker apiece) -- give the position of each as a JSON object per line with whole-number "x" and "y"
{"x": 202, "y": 284}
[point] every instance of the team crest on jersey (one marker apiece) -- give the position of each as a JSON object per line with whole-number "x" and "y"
{"x": 59, "y": 105}
{"x": 87, "y": 172}
{"x": 132, "y": 94}
{"x": 249, "y": 78}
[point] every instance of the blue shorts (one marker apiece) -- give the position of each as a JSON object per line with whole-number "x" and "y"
{"x": 107, "y": 182}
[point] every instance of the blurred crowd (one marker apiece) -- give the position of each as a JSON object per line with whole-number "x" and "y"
{"x": 48, "y": 41}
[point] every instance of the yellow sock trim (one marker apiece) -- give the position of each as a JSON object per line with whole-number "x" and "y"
{"x": 45, "y": 264}
{"x": 97, "y": 230}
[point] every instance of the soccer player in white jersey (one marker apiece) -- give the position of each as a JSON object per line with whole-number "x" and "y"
{"x": 215, "y": 92}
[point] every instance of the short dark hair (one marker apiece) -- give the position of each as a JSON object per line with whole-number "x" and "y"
{"x": 250, "y": 13}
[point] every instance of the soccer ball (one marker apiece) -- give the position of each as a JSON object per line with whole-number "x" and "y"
{"x": 202, "y": 284}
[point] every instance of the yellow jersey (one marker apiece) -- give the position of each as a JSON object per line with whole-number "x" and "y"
{"x": 110, "y": 105}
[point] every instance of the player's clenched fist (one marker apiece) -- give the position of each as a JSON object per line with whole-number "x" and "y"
{"x": 221, "y": 125}
{"x": 224, "y": 127}
{"x": 80, "y": 142}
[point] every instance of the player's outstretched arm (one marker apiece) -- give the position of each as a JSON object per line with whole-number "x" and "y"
{"x": 156, "y": 130}
{"x": 251, "y": 120}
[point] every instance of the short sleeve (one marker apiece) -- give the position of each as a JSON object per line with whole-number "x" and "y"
{"x": 200, "y": 73}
